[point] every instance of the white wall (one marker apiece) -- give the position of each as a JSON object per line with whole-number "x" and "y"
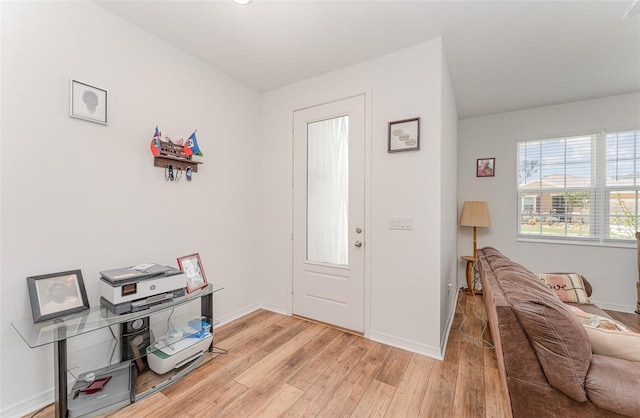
{"x": 612, "y": 271}
{"x": 404, "y": 274}
{"x": 76, "y": 194}
{"x": 448, "y": 204}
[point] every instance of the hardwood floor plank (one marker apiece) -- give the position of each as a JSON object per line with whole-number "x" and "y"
{"x": 319, "y": 393}
{"x": 206, "y": 404}
{"x": 276, "y": 360}
{"x": 144, "y": 408}
{"x": 495, "y": 399}
{"x": 346, "y": 397}
{"x": 279, "y": 402}
{"x": 235, "y": 328}
{"x": 393, "y": 367}
{"x": 247, "y": 332}
{"x": 306, "y": 376}
{"x": 469, "y": 390}
{"x": 275, "y": 370}
{"x": 376, "y": 353}
{"x": 438, "y": 399}
{"x": 412, "y": 387}
{"x": 375, "y": 401}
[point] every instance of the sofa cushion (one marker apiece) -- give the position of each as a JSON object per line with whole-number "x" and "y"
{"x": 612, "y": 384}
{"x": 560, "y": 342}
{"x": 568, "y": 286}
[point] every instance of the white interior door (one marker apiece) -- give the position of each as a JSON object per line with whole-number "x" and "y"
{"x": 329, "y": 236}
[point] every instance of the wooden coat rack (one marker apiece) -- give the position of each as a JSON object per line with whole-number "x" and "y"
{"x": 173, "y": 155}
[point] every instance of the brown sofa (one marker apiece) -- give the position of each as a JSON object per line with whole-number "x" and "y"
{"x": 544, "y": 354}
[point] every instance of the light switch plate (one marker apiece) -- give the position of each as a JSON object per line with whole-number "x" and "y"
{"x": 401, "y": 222}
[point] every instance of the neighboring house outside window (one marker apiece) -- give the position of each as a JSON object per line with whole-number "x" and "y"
{"x": 579, "y": 189}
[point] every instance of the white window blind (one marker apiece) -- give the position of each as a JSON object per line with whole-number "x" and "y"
{"x": 582, "y": 188}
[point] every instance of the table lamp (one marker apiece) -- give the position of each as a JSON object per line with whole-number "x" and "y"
{"x": 475, "y": 214}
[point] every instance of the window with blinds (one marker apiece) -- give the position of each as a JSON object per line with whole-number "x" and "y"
{"x": 582, "y": 188}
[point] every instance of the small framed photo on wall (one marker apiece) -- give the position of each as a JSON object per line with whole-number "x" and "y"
{"x": 88, "y": 102}
{"x": 404, "y": 135}
{"x": 486, "y": 167}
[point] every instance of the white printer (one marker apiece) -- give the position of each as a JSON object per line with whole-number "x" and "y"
{"x": 180, "y": 346}
{"x": 132, "y": 289}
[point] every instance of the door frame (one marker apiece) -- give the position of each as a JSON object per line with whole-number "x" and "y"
{"x": 367, "y": 197}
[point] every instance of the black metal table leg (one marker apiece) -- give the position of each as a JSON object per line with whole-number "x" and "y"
{"x": 206, "y": 310}
{"x": 60, "y": 376}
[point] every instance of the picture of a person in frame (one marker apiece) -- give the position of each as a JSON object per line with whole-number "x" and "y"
{"x": 58, "y": 294}
{"x": 485, "y": 167}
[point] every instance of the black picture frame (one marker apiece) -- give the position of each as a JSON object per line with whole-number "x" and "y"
{"x": 486, "y": 167}
{"x": 57, "y": 294}
{"x": 404, "y": 135}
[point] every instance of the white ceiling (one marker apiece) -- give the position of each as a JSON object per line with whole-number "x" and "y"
{"x": 502, "y": 55}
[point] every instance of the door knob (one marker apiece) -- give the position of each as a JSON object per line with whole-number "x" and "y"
{"x": 358, "y": 244}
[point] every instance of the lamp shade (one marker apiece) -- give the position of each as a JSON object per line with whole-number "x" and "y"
{"x": 475, "y": 213}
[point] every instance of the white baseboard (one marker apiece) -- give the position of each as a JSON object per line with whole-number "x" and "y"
{"x": 615, "y": 307}
{"x": 29, "y": 406}
{"x": 225, "y": 319}
{"x": 405, "y": 344}
{"x": 445, "y": 337}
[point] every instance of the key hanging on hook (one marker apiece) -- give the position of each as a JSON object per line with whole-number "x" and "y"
{"x": 168, "y": 173}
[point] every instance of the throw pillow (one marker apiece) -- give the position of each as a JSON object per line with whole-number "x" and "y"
{"x": 568, "y": 286}
{"x": 597, "y": 321}
{"x": 614, "y": 343}
{"x": 609, "y": 337}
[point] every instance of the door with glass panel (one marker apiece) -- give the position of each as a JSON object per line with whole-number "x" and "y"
{"x": 328, "y": 224}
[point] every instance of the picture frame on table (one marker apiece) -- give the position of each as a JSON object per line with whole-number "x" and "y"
{"x": 404, "y": 135}
{"x": 57, "y": 294}
{"x": 88, "y": 102}
{"x": 486, "y": 167}
{"x": 191, "y": 265}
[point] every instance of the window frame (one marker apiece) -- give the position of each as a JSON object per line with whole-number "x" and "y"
{"x": 600, "y": 208}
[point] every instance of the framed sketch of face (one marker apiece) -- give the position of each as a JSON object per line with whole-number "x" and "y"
{"x": 57, "y": 294}
{"x": 192, "y": 268}
{"x": 88, "y": 102}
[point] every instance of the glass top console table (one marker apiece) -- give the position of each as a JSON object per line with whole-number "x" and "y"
{"x": 58, "y": 331}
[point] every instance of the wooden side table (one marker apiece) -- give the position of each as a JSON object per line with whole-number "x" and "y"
{"x": 471, "y": 290}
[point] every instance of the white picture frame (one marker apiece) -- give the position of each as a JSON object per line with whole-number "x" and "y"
{"x": 88, "y": 102}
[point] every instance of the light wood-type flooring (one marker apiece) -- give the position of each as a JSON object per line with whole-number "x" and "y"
{"x": 286, "y": 366}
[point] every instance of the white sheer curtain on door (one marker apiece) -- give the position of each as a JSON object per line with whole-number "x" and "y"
{"x": 328, "y": 190}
